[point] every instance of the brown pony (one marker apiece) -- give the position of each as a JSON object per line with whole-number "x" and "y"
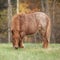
{"x": 27, "y": 24}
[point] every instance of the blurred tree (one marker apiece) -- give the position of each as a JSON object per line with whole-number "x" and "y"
{"x": 42, "y": 5}
{"x": 3, "y": 4}
{"x": 9, "y": 19}
{"x": 18, "y": 6}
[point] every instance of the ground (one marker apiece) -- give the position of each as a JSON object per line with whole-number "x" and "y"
{"x": 32, "y": 51}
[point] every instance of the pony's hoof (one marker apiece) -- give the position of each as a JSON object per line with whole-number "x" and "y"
{"x": 21, "y": 46}
{"x": 45, "y": 46}
{"x": 16, "y": 47}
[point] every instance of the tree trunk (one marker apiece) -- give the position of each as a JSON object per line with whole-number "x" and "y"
{"x": 42, "y": 5}
{"x": 47, "y": 7}
{"x": 17, "y": 6}
{"x": 9, "y": 19}
{"x": 53, "y": 34}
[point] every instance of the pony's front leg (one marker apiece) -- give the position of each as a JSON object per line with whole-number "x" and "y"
{"x": 21, "y": 45}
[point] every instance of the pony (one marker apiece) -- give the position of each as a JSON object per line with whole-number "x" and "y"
{"x": 26, "y": 24}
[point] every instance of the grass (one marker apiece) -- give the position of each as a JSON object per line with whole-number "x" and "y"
{"x": 30, "y": 52}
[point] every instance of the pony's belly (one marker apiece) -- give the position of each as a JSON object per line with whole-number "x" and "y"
{"x": 31, "y": 30}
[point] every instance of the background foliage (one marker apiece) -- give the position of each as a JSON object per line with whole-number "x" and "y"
{"x": 28, "y": 6}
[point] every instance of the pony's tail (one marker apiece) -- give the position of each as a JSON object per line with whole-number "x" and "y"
{"x": 48, "y": 31}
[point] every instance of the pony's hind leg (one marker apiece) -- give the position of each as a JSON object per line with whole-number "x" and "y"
{"x": 45, "y": 39}
{"x": 45, "y": 42}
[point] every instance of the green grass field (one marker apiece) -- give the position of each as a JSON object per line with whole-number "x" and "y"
{"x": 30, "y": 52}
